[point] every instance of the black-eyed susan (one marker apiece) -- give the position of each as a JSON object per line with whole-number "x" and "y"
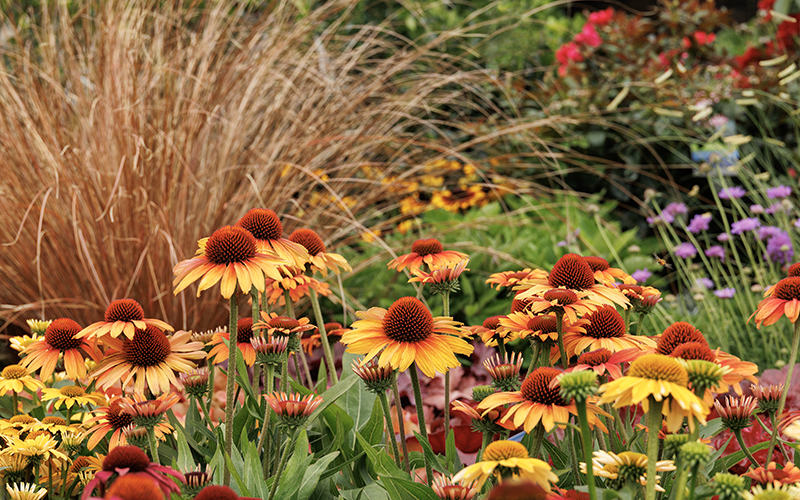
{"x": 122, "y": 317}
{"x": 509, "y": 279}
{"x": 71, "y": 395}
{"x": 150, "y": 359}
{"x": 228, "y": 256}
{"x": 572, "y": 272}
{"x": 539, "y": 401}
{"x": 663, "y": 379}
{"x": 266, "y": 228}
{"x": 319, "y": 259}
{"x": 625, "y": 467}
{"x": 605, "y": 328}
{"x": 60, "y": 338}
{"x": 426, "y": 251}
{"x": 406, "y": 333}
{"x": 507, "y": 460}
{"x": 244, "y": 333}
{"x": 17, "y": 378}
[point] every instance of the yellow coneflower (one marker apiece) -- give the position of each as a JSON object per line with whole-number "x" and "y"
{"x": 17, "y": 378}
{"x": 123, "y": 316}
{"x": 60, "y": 338}
{"x": 426, "y": 251}
{"x": 505, "y": 460}
{"x": 772, "y": 492}
{"x": 266, "y": 228}
{"x": 19, "y": 424}
{"x": 25, "y": 491}
{"x": 406, "y": 333}
{"x": 38, "y": 449}
{"x": 319, "y": 259}
{"x": 626, "y": 466}
{"x": 71, "y": 395}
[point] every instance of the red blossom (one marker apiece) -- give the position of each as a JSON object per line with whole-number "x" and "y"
{"x": 787, "y": 31}
{"x": 588, "y": 36}
{"x": 603, "y": 17}
{"x": 704, "y": 38}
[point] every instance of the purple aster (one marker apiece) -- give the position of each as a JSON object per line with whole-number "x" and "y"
{"x": 765, "y": 232}
{"x": 779, "y": 248}
{"x": 676, "y": 208}
{"x": 779, "y": 192}
{"x": 704, "y": 282}
{"x": 725, "y": 293}
{"x": 744, "y": 225}
{"x": 797, "y": 223}
{"x": 723, "y": 237}
{"x": 732, "y": 192}
{"x": 778, "y": 207}
{"x": 699, "y": 223}
{"x": 641, "y": 275}
{"x": 685, "y": 250}
{"x": 716, "y": 251}
{"x": 757, "y": 209}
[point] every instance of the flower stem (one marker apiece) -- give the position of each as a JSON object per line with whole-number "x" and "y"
{"x": 323, "y": 335}
{"x": 400, "y": 422}
{"x": 14, "y": 402}
{"x": 680, "y": 481}
{"x": 446, "y": 313}
{"x": 151, "y": 437}
{"x": 255, "y": 309}
{"x": 535, "y": 348}
{"x": 423, "y": 431}
{"x": 586, "y": 437}
{"x": 231, "y": 385}
{"x": 653, "y": 426}
{"x": 206, "y": 412}
{"x": 693, "y": 484}
{"x": 282, "y": 464}
{"x": 639, "y": 324}
{"x": 745, "y": 449}
{"x": 559, "y": 329}
{"x": 569, "y": 434}
{"x": 487, "y": 440}
{"x": 266, "y": 435}
{"x": 786, "y": 383}
{"x": 501, "y": 347}
{"x": 387, "y": 415}
{"x": 538, "y": 438}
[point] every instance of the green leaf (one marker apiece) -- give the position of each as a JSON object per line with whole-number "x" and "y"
{"x": 403, "y": 489}
{"x": 296, "y": 467}
{"x": 329, "y": 397}
{"x": 454, "y": 461}
{"x": 357, "y": 402}
{"x": 185, "y": 462}
{"x": 382, "y": 464}
{"x": 369, "y": 492}
{"x": 253, "y": 471}
{"x": 372, "y": 430}
{"x": 312, "y": 476}
{"x": 433, "y": 458}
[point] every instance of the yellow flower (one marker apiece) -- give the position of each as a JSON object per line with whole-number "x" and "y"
{"x": 40, "y": 448}
{"x": 70, "y": 395}
{"x": 626, "y": 466}
{"x": 507, "y": 459}
{"x": 25, "y": 491}
{"x": 16, "y": 378}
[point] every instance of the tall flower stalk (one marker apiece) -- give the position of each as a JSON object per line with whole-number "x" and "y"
{"x": 230, "y": 387}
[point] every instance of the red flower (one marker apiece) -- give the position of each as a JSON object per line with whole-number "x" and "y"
{"x": 603, "y": 17}
{"x": 704, "y": 38}
{"x": 787, "y": 31}
{"x": 569, "y": 52}
{"x": 588, "y": 36}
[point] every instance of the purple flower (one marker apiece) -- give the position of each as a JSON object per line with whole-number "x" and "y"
{"x": 797, "y": 223}
{"x": 723, "y": 237}
{"x": 779, "y": 192}
{"x": 744, "y": 225}
{"x": 778, "y": 207}
{"x": 704, "y": 282}
{"x": 768, "y": 232}
{"x": 699, "y": 223}
{"x": 676, "y": 208}
{"x": 725, "y": 293}
{"x": 779, "y": 248}
{"x": 685, "y": 250}
{"x": 732, "y": 193}
{"x": 716, "y": 251}
{"x": 757, "y": 209}
{"x": 641, "y": 275}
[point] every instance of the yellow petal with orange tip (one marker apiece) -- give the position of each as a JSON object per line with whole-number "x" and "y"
{"x": 242, "y": 275}
{"x": 192, "y": 276}
{"x": 210, "y": 279}
{"x": 227, "y": 284}
{"x": 792, "y": 309}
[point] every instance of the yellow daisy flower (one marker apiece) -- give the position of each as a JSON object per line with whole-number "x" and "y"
{"x": 70, "y": 395}
{"x": 17, "y": 378}
{"x": 505, "y": 460}
{"x": 25, "y": 491}
{"x": 626, "y": 466}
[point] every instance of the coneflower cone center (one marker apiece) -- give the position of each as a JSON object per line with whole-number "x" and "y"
{"x": 72, "y": 391}
{"x": 788, "y": 288}
{"x": 22, "y": 419}
{"x": 123, "y": 457}
{"x": 60, "y": 334}
{"x": 492, "y": 322}
{"x": 636, "y": 289}
{"x": 659, "y": 367}
{"x": 123, "y": 310}
{"x": 262, "y": 223}
{"x": 693, "y": 350}
{"x": 309, "y": 239}
{"x": 426, "y": 247}
{"x": 563, "y": 297}
{"x": 536, "y": 387}
{"x": 408, "y": 321}
{"x": 503, "y": 450}
{"x": 14, "y": 372}
{"x": 134, "y": 488}
{"x": 794, "y": 270}
{"x": 79, "y": 463}
{"x": 520, "y": 305}
{"x": 230, "y": 244}
{"x": 214, "y": 492}
{"x": 571, "y": 271}
{"x": 597, "y": 263}
{"x": 284, "y": 323}
{"x": 595, "y": 358}
{"x": 544, "y": 324}
{"x": 148, "y": 347}
{"x": 677, "y": 334}
{"x": 244, "y": 331}
{"x": 54, "y": 421}
{"x": 116, "y": 415}
{"x": 605, "y": 323}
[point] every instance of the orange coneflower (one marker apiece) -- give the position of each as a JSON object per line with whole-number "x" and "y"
{"x": 406, "y": 333}
{"x": 539, "y": 401}
{"x": 334, "y": 332}
{"x": 739, "y": 370}
{"x": 60, "y": 338}
{"x": 297, "y": 284}
{"x": 607, "y": 275}
{"x": 605, "y": 362}
{"x": 121, "y": 316}
{"x": 267, "y": 229}
{"x": 150, "y": 359}
{"x": 229, "y": 255}
{"x": 508, "y": 279}
{"x": 113, "y": 418}
{"x": 573, "y": 273}
{"x": 440, "y": 275}
{"x": 566, "y": 302}
{"x": 781, "y": 299}
{"x": 491, "y": 331}
{"x": 605, "y": 329}
{"x": 676, "y": 334}
{"x": 426, "y": 251}
{"x": 526, "y": 325}
{"x": 790, "y": 474}
{"x": 244, "y": 332}
{"x": 282, "y": 325}
{"x": 319, "y": 259}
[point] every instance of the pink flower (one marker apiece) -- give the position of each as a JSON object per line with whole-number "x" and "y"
{"x": 602, "y": 17}
{"x": 569, "y": 52}
{"x": 588, "y": 36}
{"x": 704, "y": 38}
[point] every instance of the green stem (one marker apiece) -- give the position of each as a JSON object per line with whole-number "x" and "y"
{"x": 745, "y": 449}
{"x": 693, "y": 484}
{"x": 446, "y": 313}
{"x": 535, "y": 348}
{"x": 786, "y": 383}
{"x": 212, "y": 370}
{"x": 400, "y": 422}
{"x": 254, "y": 309}
{"x": 653, "y": 426}
{"x": 304, "y": 362}
{"x": 626, "y": 317}
{"x": 538, "y": 439}
{"x": 387, "y": 415}
{"x": 569, "y": 433}
{"x": 289, "y": 307}
{"x": 285, "y": 373}
{"x": 36, "y": 474}
{"x": 14, "y": 403}
{"x": 487, "y": 439}
{"x": 423, "y": 431}
{"x": 69, "y": 416}
{"x": 501, "y": 347}
{"x": 680, "y": 482}
{"x": 151, "y": 437}
{"x": 559, "y": 329}
{"x": 323, "y": 335}
{"x": 282, "y": 464}
{"x": 586, "y": 436}
{"x": 50, "y": 479}
{"x": 231, "y": 385}
{"x": 774, "y": 422}
{"x": 206, "y": 414}
{"x": 639, "y": 324}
